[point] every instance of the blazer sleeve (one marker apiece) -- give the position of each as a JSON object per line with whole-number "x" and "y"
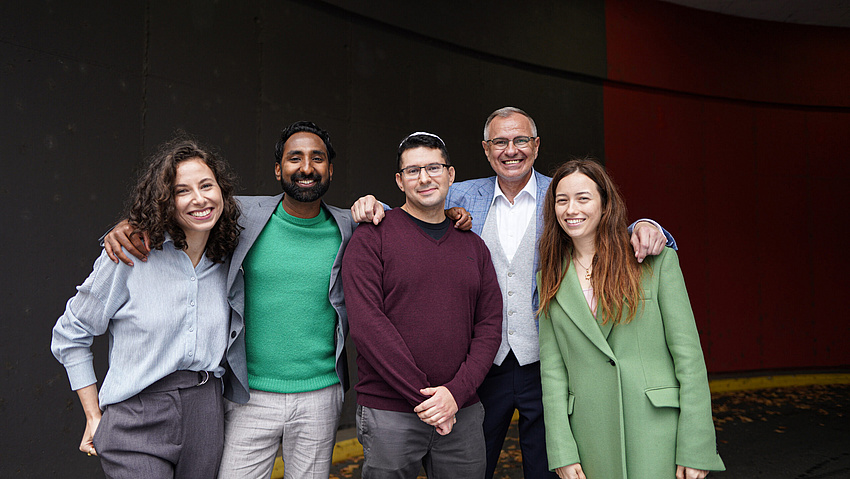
{"x": 696, "y": 444}
{"x": 561, "y": 446}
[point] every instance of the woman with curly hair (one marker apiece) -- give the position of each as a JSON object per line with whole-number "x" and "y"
{"x": 625, "y": 390}
{"x": 167, "y": 320}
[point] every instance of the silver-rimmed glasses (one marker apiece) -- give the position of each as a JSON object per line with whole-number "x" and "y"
{"x": 518, "y": 141}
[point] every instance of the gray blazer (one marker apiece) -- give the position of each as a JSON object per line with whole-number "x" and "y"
{"x": 256, "y": 211}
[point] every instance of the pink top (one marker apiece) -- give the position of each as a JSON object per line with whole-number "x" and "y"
{"x": 591, "y": 299}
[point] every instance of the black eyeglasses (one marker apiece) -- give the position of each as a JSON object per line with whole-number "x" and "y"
{"x": 519, "y": 142}
{"x": 433, "y": 169}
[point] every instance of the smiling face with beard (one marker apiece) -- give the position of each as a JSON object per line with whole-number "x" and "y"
{"x": 305, "y": 188}
{"x": 305, "y": 173}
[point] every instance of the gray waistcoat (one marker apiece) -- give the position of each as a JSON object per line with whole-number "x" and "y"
{"x": 519, "y": 330}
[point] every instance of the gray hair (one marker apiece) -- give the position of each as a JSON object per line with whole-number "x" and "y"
{"x": 504, "y": 113}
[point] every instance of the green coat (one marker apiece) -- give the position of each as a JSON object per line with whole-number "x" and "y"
{"x": 634, "y": 405}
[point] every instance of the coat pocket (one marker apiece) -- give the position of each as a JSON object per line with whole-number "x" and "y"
{"x": 663, "y": 396}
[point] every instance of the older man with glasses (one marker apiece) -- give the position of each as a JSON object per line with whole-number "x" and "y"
{"x": 508, "y": 212}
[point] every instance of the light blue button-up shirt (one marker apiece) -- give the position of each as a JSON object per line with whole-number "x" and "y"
{"x": 162, "y": 315}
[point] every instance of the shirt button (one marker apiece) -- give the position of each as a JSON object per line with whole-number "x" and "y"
{"x": 233, "y": 334}
{"x": 511, "y": 331}
{"x": 510, "y": 313}
{"x": 191, "y": 329}
{"x": 191, "y": 303}
{"x": 511, "y": 274}
{"x": 191, "y": 353}
{"x": 510, "y": 293}
{"x": 192, "y": 278}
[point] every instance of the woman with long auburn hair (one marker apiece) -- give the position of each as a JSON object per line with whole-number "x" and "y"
{"x": 625, "y": 389}
{"x": 159, "y": 412}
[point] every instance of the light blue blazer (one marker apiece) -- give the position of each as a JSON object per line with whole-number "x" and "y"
{"x": 476, "y": 196}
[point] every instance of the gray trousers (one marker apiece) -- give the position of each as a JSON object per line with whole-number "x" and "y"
{"x": 174, "y": 428}
{"x": 303, "y": 424}
{"x": 397, "y": 444}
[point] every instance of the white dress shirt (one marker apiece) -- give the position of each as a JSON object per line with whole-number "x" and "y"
{"x": 512, "y": 219}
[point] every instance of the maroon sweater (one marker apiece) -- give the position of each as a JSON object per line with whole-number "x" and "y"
{"x": 422, "y": 313}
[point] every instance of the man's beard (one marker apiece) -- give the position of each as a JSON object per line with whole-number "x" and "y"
{"x": 301, "y": 194}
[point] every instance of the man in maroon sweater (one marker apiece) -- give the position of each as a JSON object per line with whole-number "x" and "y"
{"x": 424, "y": 309}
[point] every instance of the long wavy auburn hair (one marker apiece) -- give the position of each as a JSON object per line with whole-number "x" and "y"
{"x": 151, "y": 206}
{"x": 616, "y": 278}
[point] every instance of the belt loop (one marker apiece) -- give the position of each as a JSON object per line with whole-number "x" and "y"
{"x": 206, "y": 377}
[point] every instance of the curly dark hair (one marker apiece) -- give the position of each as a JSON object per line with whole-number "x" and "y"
{"x": 151, "y": 205}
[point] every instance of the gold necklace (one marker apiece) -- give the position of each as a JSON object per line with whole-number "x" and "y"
{"x": 586, "y": 270}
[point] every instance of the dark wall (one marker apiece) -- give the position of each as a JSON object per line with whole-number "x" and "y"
{"x": 735, "y": 133}
{"x": 88, "y": 88}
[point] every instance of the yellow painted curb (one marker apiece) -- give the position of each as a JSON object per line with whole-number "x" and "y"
{"x": 777, "y": 381}
{"x": 344, "y": 450}
{"x": 277, "y": 471}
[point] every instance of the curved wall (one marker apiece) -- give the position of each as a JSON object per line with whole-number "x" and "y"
{"x": 733, "y": 133}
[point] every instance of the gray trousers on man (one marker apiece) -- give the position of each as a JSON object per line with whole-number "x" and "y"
{"x": 396, "y": 445}
{"x": 174, "y": 428}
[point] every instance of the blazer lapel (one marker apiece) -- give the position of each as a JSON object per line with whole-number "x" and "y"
{"x": 256, "y": 212}
{"x": 481, "y": 204}
{"x": 606, "y": 329}
{"x": 344, "y": 223}
{"x": 571, "y": 299}
{"x": 542, "y": 187}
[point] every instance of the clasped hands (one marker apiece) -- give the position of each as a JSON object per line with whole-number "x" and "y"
{"x": 439, "y": 410}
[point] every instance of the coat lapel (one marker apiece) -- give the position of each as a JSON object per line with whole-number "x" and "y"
{"x": 256, "y": 212}
{"x": 481, "y": 202}
{"x": 542, "y": 186}
{"x": 346, "y": 227}
{"x": 571, "y": 299}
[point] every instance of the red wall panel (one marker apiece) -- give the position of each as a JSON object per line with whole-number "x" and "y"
{"x": 731, "y": 316}
{"x": 667, "y": 46}
{"x": 754, "y": 192}
{"x": 784, "y": 288}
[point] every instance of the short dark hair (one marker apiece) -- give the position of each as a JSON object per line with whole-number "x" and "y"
{"x": 151, "y": 206}
{"x": 426, "y": 140}
{"x": 303, "y": 126}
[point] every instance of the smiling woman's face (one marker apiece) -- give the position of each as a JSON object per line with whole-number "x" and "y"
{"x": 578, "y": 206}
{"x": 197, "y": 198}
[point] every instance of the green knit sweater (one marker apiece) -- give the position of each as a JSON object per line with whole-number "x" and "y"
{"x": 290, "y": 323}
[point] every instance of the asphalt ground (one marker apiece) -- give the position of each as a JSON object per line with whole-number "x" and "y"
{"x": 787, "y": 433}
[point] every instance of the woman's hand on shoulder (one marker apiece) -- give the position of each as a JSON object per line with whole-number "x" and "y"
{"x": 573, "y": 471}
{"x": 683, "y": 472}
